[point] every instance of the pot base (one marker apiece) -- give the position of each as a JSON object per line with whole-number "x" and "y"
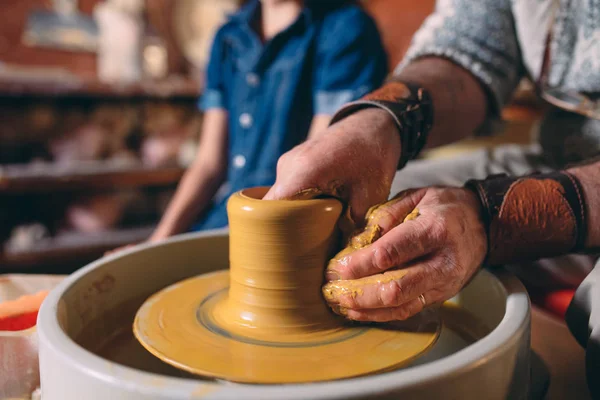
{"x": 180, "y": 326}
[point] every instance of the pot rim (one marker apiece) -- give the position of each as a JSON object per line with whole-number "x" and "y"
{"x": 254, "y": 195}
{"x": 53, "y": 338}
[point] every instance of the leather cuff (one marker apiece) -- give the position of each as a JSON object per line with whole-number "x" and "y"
{"x": 411, "y": 108}
{"x": 531, "y": 217}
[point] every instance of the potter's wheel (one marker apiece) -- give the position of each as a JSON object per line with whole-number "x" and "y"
{"x": 87, "y": 350}
{"x": 192, "y": 337}
{"x": 266, "y": 321}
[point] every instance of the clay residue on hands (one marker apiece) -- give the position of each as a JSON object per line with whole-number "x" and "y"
{"x": 412, "y": 216}
{"x": 306, "y": 194}
{"x": 334, "y": 290}
{"x": 365, "y": 237}
{"x": 334, "y": 189}
{"x": 372, "y": 231}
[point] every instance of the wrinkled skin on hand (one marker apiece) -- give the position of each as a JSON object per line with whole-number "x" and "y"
{"x": 354, "y": 160}
{"x": 428, "y": 242}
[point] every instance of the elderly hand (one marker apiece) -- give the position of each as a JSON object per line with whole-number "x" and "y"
{"x": 354, "y": 160}
{"x": 416, "y": 250}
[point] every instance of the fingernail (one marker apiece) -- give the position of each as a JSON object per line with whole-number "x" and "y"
{"x": 332, "y": 275}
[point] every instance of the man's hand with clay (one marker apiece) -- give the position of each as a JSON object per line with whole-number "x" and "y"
{"x": 409, "y": 265}
{"x": 424, "y": 245}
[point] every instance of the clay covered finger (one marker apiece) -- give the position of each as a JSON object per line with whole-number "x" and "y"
{"x": 387, "y": 290}
{"x": 379, "y": 220}
{"x": 371, "y": 253}
{"x": 399, "y": 313}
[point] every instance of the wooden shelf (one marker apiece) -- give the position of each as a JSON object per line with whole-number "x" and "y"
{"x": 71, "y": 247}
{"x": 38, "y": 84}
{"x": 36, "y": 178}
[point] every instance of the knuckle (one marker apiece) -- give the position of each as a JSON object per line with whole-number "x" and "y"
{"x": 434, "y": 195}
{"x": 303, "y": 156}
{"x": 438, "y": 272}
{"x": 393, "y": 294}
{"x": 379, "y": 295}
{"x": 385, "y": 216}
{"x": 384, "y": 257}
{"x": 283, "y": 161}
{"x": 438, "y": 229}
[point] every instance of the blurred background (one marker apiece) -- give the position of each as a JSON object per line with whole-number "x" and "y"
{"x": 99, "y": 118}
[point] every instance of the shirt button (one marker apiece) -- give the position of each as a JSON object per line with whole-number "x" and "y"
{"x": 252, "y": 79}
{"x": 239, "y": 161}
{"x": 246, "y": 120}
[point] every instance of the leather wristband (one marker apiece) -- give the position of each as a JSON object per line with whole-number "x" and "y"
{"x": 411, "y": 108}
{"x": 531, "y": 217}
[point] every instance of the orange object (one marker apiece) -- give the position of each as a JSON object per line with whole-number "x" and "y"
{"x": 21, "y": 313}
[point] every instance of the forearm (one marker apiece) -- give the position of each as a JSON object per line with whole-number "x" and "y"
{"x": 194, "y": 193}
{"x": 459, "y": 101}
{"x": 432, "y": 102}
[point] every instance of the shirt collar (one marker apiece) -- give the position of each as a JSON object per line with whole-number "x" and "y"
{"x": 248, "y": 11}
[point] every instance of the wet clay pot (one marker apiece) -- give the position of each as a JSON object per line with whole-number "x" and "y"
{"x": 278, "y": 250}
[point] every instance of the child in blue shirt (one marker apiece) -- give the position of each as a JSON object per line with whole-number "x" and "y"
{"x": 278, "y": 70}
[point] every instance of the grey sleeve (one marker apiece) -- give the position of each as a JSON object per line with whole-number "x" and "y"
{"x": 478, "y": 35}
{"x": 583, "y": 319}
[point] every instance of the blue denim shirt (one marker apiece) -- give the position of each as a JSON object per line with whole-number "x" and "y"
{"x": 272, "y": 90}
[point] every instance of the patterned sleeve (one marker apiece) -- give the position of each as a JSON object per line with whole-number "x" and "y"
{"x": 478, "y": 35}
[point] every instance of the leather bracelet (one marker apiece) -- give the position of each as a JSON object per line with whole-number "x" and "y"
{"x": 531, "y": 217}
{"x": 411, "y": 108}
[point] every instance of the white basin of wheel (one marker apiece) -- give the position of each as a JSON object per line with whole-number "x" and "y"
{"x": 494, "y": 367}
